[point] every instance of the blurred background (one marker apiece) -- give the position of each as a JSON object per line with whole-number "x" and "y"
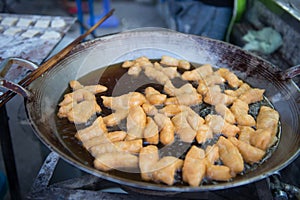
{"x": 268, "y": 28}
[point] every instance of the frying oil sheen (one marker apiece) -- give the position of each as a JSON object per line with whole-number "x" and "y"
{"x": 118, "y": 82}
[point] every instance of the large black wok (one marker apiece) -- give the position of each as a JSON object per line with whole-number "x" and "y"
{"x": 45, "y": 93}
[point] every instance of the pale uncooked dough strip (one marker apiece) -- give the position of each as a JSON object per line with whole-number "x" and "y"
{"x": 9, "y": 21}
{"x": 30, "y": 33}
{"x": 42, "y": 23}
{"x": 50, "y": 35}
{"x": 58, "y": 23}
{"x": 24, "y": 22}
{"x": 12, "y": 31}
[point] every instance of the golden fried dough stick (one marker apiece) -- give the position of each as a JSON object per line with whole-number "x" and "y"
{"x": 148, "y": 158}
{"x": 132, "y": 146}
{"x": 149, "y": 109}
{"x": 252, "y": 95}
{"x": 75, "y": 85}
{"x": 215, "y": 122}
{"x": 165, "y": 169}
{"x": 130, "y": 138}
{"x": 124, "y": 101}
{"x": 116, "y": 160}
{"x": 230, "y": 77}
{"x": 185, "y": 99}
{"x": 204, "y": 133}
{"x": 166, "y": 127}
{"x": 171, "y": 110}
{"x": 114, "y": 136}
{"x": 202, "y": 88}
{"x": 230, "y": 155}
{"x": 241, "y": 90}
{"x": 171, "y": 90}
{"x": 154, "y": 97}
{"x": 198, "y": 73}
{"x": 183, "y": 64}
{"x": 145, "y": 64}
{"x": 186, "y": 89}
{"x": 95, "y": 89}
{"x": 225, "y": 112}
{"x": 262, "y": 139}
{"x": 196, "y": 153}
{"x": 268, "y": 118}
{"x": 139, "y": 60}
{"x": 245, "y": 134}
{"x": 135, "y": 66}
{"x": 80, "y": 105}
{"x": 250, "y": 153}
{"x": 193, "y": 118}
{"x": 98, "y": 128}
{"x": 183, "y": 128}
{"x": 194, "y": 166}
{"x": 212, "y": 153}
{"x": 219, "y": 125}
{"x": 218, "y": 172}
{"x": 240, "y": 110}
{"x": 142, "y": 59}
{"x": 136, "y": 122}
{"x": 135, "y": 70}
{"x": 65, "y": 109}
{"x": 77, "y": 96}
{"x": 127, "y": 64}
{"x": 214, "y": 96}
{"x": 115, "y": 118}
{"x": 214, "y": 89}
{"x": 185, "y": 95}
{"x": 151, "y": 132}
{"x": 168, "y": 60}
{"x": 170, "y": 72}
{"x": 83, "y": 111}
{"x": 212, "y": 79}
{"x": 155, "y": 74}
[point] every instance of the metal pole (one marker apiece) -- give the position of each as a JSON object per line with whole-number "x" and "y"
{"x": 80, "y": 15}
{"x": 8, "y": 156}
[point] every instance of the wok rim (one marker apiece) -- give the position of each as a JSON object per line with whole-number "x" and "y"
{"x": 151, "y": 185}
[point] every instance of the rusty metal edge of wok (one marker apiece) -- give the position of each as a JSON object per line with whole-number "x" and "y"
{"x": 53, "y": 60}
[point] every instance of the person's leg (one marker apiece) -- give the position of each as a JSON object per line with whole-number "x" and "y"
{"x": 219, "y": 23}
{"x": 194, "y": 17}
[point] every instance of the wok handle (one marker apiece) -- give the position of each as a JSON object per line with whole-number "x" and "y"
{"x": 290, "y": 73}
{"x": 10, "y": 85}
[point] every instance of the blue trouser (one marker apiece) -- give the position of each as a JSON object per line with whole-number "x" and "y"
{"x": 195, "y": 17}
